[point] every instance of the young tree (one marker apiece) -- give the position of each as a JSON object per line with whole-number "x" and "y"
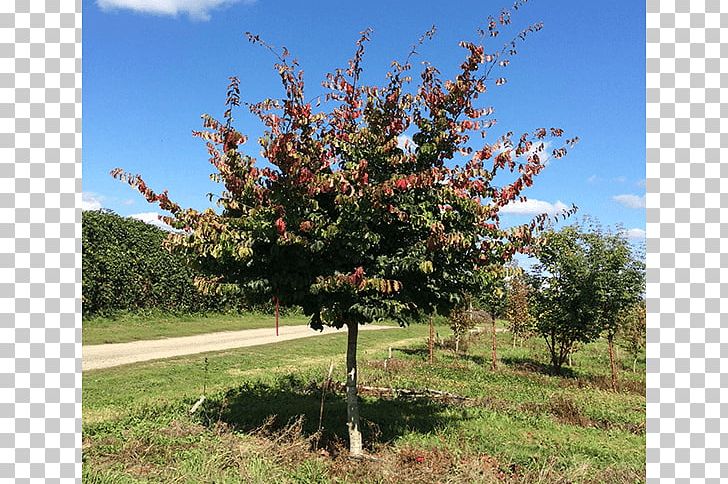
{"x": 461, "y": 321}
{"x": 585, "y": 279}
{"x": 561, "y": 294}
{"x": 632, "y": 331}
{"x": 492, "y": 298}
{"x": 517, "y": 307}
{"x": 618, "y": 280}
{"x": 350, "y": 220}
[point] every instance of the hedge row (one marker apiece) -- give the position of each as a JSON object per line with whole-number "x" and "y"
{"x": 125, "y": 268}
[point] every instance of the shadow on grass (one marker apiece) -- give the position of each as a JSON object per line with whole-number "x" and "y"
{"x": 423, "y": 352}
{"x": 478, "y": 360}
{"x": 531, "y": 365}
{"x": 252, "y": 405}
{"x": 571, "y": 377}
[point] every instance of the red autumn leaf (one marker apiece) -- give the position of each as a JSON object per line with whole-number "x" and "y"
{"x": 280, "y": 226}
{"x": 401, "y": 184}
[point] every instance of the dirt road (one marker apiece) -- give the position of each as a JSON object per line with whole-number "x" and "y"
{"x": 108, "y": 355}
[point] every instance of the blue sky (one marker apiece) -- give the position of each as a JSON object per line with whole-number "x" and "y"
{"x": 152, "y": 67}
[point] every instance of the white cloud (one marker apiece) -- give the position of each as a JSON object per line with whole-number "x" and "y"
{"x": 90, "y": 201}
{"x": 636, "y": 233}
{"x": 152, "y": 218}
{"x": 405, "y": 143}
{"x": 196, "y": 9}
{"x": 630, "y": 201}
{"x": 592, "y": 179}
{"x": 533, "y": 206}
{"x": 619, "y": 179}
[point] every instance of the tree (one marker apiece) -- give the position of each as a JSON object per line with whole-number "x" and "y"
{"x": 585, "y": 278}
{"x": 618, "y": 279}
{"x": 561, "y": 294}
{"x": 492, "y": 298}
{"x": 348, "y": 218}
{"x": 461, "y": 321}
{"x": 632, "y": 332}
{"x": 517, "y": 307}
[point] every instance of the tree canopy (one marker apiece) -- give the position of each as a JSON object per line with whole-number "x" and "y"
{"x": 585, "y": 278}
{"x": 345, "y": 219}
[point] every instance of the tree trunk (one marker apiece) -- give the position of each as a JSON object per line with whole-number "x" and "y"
{"x": 557, "y": 366}
{"x": 352, "y": 400}
{"x": 493, "y": 355}
{"x": 431, "y": 342}
{"x": 556, "y": 362}
{"x": 610, "y": 340}
{"x": 551, "y": 345}
{"x": 634, "y": 365}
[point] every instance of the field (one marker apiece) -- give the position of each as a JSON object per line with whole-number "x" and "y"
{"x": 260, "y": 420}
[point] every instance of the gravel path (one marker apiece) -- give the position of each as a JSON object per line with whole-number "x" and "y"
{"x": 108, "y": 355}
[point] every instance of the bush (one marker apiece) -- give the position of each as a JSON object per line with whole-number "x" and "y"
{"x": 125, "y": 268}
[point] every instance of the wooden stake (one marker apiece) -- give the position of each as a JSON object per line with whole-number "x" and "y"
{"x": 432, "y": 339}
{"x": 494, "y": 355}
{"x": 325, "y": 387}
{"x": 275, "y": 298}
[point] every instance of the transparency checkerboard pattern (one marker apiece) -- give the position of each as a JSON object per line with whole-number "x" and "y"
{"x": 687, "y": 426}
{"x": 40, "y": 279}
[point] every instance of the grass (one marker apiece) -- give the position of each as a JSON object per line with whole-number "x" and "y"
{"x": 260, "y": 420}
{"x": 132, "y": 327}
{"x": 114, "y": 390}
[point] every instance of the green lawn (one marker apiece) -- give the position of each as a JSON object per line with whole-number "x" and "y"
{"x": 133, "y": 327}
{"x": 521, "y": 424}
